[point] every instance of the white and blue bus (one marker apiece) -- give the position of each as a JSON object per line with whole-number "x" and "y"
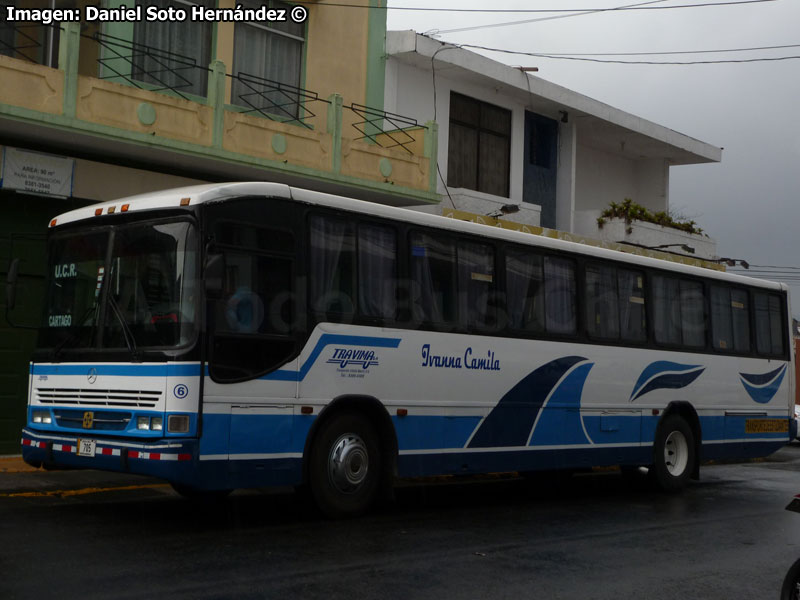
{"x": 251, "y": 334}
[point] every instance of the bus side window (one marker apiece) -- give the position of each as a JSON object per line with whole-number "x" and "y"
{"x": 433, "y": 276}
{"x": 476, "y": 285}
{"x": 769, "y": 324}
{"x": 332, "y": 267}
{"x": 560, "y": 302}
{"x": 524, "y": 290}
{"x": 730, "y": 323}
{"x": 377, "y": 271}
{"x": 602, "y": 302}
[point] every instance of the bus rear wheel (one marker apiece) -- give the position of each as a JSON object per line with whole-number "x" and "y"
{"x": 674, "y": 454}
{"x": 344, "y": 468}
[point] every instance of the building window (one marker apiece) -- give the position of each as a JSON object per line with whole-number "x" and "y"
{"x": 479, "y": 151}
{"x": 173, "y": 55}
{"x": 271, "y": 52}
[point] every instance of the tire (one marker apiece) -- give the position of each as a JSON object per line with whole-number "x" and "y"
{"x": 345, "y": 465}
{"x": 790, "y": 590}
{"x": 674, "y": 455}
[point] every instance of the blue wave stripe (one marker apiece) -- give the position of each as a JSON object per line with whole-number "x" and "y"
{"x": 763, "y": 394}
{"x": 660, "y": 366}
{"x": 510, "y": 422}
{"x": 163, "y": 370}
{"x": 669, "y": 381}
{"x": 326, "y": 340}
{"x": 761, "y": 379}
{"x": 560, "y": 422}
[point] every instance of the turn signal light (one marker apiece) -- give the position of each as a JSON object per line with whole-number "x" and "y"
{"x": 53, "y": 223}
{"x": 178, "y": 424}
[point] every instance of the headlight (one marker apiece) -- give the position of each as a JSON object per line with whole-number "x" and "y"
{"x": 178, "y": 424}
{"x": 156, "y": 423}
{"x": 142, "y": 422}
{"x": 42, "y": 416}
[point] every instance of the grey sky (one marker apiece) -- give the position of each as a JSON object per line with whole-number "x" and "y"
{"x": 751, "y": 201}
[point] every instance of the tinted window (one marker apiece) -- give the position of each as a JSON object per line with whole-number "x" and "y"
{"x": 678, "y": 311}
{"x": 730, "y": 319}
{"x": 769, "y": 324}
{"x": 377, "y": 271}
{"x": 476, "y": 284}
{"x": 524, "y": 290}
{"x": 332, "y": 266}
{"x": 559, "y": 286}
{"x": 433, "y": 277}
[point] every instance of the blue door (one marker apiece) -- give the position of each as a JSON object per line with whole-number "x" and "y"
{"x": 540, "y": 167}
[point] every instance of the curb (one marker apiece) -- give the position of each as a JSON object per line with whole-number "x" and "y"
{"x": 15, "y": 464}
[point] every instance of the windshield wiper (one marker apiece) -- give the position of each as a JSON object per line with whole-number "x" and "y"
{"x": 75, "y": 332}
{"x": 130, "y": 340}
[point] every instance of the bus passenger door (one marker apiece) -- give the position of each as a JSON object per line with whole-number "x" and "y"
{"x": 254, "y": 340}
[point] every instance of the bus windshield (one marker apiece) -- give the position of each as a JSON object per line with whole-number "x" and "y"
{"x": 139, "y": 279}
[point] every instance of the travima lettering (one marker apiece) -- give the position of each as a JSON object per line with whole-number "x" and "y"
{"x": 348, "y": 356}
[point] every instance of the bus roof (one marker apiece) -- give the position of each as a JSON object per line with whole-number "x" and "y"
{"x": 201, "y": 194}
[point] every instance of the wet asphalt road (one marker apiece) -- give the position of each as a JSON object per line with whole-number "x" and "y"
{"x": 593, "y": 536}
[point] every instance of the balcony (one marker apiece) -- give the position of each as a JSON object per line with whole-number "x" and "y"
{"x": 98, "y": 94}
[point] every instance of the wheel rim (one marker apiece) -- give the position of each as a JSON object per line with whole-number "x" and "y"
{"x": 348, "y": 463}
{"x": 676, "y": 453}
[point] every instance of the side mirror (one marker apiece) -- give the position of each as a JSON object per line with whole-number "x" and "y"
{"x": 11, "y": 284}
{"x": 215, "y": 275}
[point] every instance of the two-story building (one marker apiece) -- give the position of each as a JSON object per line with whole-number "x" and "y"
{"x": 509, "y": 140}
{"x": 108, "y": 106}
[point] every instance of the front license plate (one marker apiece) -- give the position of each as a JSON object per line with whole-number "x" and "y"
{"x": 766, "y": 426}
{"x": 86, "y": 447}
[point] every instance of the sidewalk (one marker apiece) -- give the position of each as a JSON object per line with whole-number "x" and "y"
{"x": 14, "y": 464}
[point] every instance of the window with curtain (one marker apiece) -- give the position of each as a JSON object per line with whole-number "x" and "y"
{"x": 476, "y": 285}
{"x": 479, "y": 148}
{"x": 615, "y": 305}
{"x": 524, "y": 291}
{"x": 769, "y": 324}
{"x": 559, "y": 291}
{"x": 377, "y": 271}
{"x": 332, "y": 266}
{"x": 271, "y": 51}
{"x": 730, "y": 319}
{"x": 177, "y": 54}
{"x": 679, "y": 316}
{"x": 433, "y": 278}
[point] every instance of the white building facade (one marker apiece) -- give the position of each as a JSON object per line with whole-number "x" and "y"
{"x": 508, "y": 137}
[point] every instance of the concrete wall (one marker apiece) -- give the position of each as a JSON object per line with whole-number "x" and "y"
{"x": 602, "y": 178}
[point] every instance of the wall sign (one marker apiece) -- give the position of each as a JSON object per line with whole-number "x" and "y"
{"x": 37, "y": 173}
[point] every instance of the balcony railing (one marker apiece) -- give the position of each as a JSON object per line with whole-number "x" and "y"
{"x": 148, "y": 67}
{"x": 274, "y": 100}
{"x": 32, "y": 42}
{"x": 387, "y": 130}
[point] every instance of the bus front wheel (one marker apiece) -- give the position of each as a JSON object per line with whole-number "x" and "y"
{"x": 674, "y": 454}
{"x": 344, "y": 469}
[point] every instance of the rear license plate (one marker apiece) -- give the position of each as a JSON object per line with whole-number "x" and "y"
{"x": 86, "y": 447}
{"x": 766, "y": 426}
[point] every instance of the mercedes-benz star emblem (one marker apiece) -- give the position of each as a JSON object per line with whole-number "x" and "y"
{"x": 92, "y": 375}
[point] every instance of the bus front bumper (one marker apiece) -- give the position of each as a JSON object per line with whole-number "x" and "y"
{"x": 173, "y": 460}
